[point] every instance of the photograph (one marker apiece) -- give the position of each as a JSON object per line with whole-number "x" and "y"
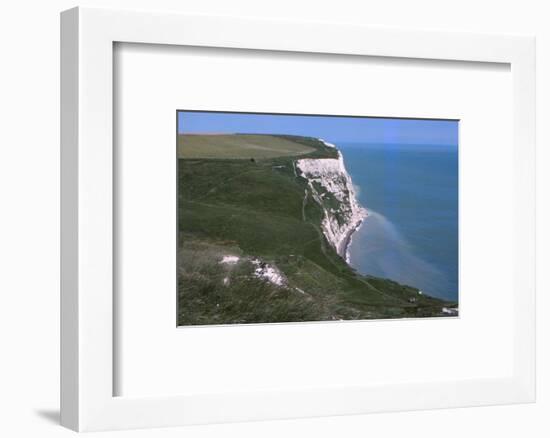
{"x": 287, "y": 218}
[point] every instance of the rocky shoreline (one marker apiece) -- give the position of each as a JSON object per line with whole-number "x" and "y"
{"x": 348, "y": 240}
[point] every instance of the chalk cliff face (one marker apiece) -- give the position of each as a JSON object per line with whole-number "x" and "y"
{"x": 331, "y": 187}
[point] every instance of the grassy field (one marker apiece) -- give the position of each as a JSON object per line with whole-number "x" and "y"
{"x": 256, "y": 209}
{"x": 238, "y": 146}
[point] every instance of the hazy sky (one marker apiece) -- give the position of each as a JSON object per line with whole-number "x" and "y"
{"x": 335, "y": 129}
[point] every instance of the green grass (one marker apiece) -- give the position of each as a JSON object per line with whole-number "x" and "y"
{"x": 256, "y": 209}
{"x": 205, "y": 298}
{"x": 239, "y": 146}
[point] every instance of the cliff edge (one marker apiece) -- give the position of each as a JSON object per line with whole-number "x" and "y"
{"x": 330, "y": 185}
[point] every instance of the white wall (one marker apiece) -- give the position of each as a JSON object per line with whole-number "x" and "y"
{"x": 29, "y": 231}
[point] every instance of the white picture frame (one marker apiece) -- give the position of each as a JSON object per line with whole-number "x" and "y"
{"x": 87, "y": 342}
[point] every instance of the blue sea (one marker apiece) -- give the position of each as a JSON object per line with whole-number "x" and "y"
{"x": 411, "y": 194}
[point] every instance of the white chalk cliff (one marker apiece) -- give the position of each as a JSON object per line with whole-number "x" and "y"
{"x": 332, "y": 188}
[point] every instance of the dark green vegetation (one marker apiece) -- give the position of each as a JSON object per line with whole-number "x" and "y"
{"x": 252, "y": 206}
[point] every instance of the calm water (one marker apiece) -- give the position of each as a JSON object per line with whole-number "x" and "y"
{"x": 411, "y": 235}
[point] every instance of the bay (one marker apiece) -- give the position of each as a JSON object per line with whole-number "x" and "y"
{"x": 411, "y": 233}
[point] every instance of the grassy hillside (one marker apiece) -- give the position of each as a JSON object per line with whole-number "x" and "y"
{"x": 238, "y": 146}
{"x": 255, "y": 208}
